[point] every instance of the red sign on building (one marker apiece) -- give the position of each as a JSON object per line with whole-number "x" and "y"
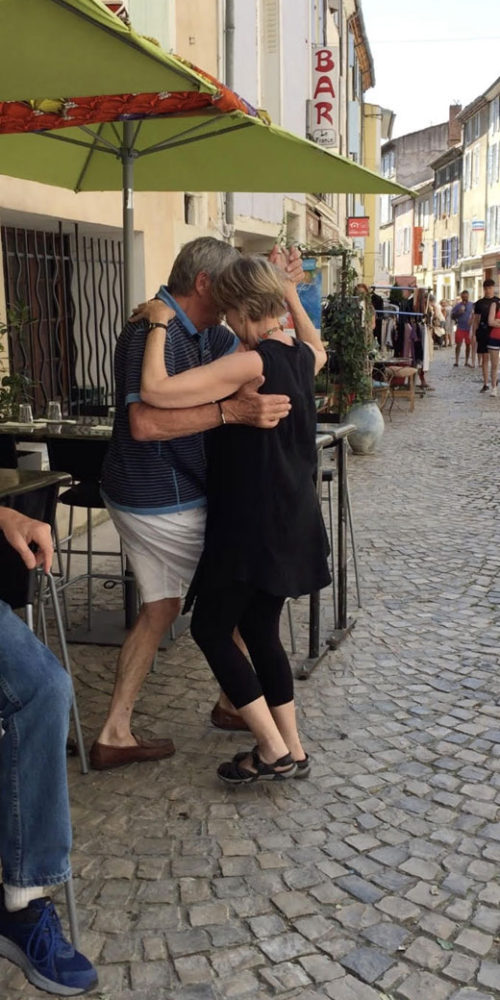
{"x": 358, "y": 225}
{"x": 418, "y": 254}
{"x": 120, "y": 9}
{"x": 324, "y": 126}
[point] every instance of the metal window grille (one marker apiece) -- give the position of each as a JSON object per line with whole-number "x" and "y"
{"x": 71, "y": 285}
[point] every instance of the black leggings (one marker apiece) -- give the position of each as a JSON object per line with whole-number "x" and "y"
{"x": 257, "y": 615}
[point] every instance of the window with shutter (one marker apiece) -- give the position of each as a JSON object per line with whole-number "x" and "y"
{"x": 270, "y": 58}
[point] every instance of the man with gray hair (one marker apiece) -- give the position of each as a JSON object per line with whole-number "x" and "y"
{"x": 154, "y": 477}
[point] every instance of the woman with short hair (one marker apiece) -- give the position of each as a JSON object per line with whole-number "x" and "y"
{"x": 265, "y": 538}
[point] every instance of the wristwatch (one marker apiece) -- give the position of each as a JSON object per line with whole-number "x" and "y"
{"x": 152, "y": 326}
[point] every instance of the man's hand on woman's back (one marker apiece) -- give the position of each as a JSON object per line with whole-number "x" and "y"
{"x": 250, "y": 407}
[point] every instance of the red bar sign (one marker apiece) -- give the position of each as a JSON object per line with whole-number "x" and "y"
{"x": 325, "y": 103}
{"x": 358, "y": 225}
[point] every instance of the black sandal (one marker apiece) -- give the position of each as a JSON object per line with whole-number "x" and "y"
{"x": 303, "y": 766}
{"x": 232, "y": 772}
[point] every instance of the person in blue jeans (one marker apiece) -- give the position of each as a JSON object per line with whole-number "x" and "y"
{"x": 35, "y": 827}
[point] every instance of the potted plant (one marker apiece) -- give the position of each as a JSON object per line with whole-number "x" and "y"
{"x": 14, "y": 388}
{"x": 347, "y": 327}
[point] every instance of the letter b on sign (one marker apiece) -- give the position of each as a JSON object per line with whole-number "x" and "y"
{"x": 324, "y": 61}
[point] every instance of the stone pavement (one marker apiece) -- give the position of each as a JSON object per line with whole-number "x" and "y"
{"x": 376, "y": 879}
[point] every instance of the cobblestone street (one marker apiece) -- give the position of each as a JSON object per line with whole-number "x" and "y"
{"x": 376, "y": 879}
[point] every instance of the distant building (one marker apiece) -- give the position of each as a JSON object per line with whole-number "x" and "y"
{"x": 407, "y": 160}
{"x": 447, "y": 221}
{"x": 491, "y": 256}
{"x": 474, "y": 119}
{"x": 423, "y": 231}
{"x": 377, "y": 126}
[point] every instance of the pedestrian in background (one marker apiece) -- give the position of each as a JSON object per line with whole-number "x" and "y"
{"x": 448, "y": 322}
{"x": 481, "y": 329}
{"x": 462, "y": 313}
{"x": 494, "y": 342}
{"x": 435, "y": 320}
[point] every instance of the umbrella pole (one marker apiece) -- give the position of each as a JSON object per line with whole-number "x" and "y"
{"x": 127, "y": 157}
{"x": 130, "y": 587}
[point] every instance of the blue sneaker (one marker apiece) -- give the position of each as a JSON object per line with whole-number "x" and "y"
{"x": 32, "y": 938}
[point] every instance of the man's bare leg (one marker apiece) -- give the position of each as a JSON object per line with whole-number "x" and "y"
{"x": 484, "y": 362}
{"x": 494, "y": 370}
{"x": 134, "y": 662}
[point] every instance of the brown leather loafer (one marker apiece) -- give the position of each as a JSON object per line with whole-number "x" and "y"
{"x": 230, "y": 721}
{"x": 102, "y": 756}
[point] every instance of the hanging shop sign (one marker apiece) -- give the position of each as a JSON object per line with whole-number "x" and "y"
{"x": 324, "y": 107}
{"x": 120, "y": 9}
{"x": 358, "y": 225}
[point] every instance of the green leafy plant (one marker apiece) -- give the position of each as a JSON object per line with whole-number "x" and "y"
{"x": 344, "y": 329}
{"x": 347, "y": 329}
{"x": 14, "y": 388}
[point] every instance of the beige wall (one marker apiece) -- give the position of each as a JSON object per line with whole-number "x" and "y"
{"x": 403, "y": 237}
{"x": 474, "y": 207}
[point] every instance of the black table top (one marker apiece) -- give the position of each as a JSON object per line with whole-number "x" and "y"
{"x": 14, "y": 482}
{"x": 40, "y": 431}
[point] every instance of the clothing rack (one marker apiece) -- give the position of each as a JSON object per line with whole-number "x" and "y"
{"x": 402, "y": 288}
{"x": 399, "y": 312}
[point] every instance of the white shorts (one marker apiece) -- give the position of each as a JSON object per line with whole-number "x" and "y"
{"x": 163, "y": 549}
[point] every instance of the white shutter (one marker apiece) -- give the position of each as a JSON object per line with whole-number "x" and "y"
{"x": 270, "y": 58}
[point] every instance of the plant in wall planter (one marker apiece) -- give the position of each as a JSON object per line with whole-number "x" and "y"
{"x": 15, "y": 388}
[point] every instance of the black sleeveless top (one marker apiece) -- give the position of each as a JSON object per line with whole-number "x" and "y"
{"x": 264, "y": 522}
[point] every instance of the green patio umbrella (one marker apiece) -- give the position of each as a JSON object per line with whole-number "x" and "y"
{"x": 52, "y": 48}
{"x": 165, "y": 142}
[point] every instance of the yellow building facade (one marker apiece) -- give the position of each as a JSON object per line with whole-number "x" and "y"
{"x": 377, "y": 128}
{"x": 491, "y": 258}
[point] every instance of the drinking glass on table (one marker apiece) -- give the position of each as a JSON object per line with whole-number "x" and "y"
{"x": 25, "y": 413}
{"x": 54, "y": 411}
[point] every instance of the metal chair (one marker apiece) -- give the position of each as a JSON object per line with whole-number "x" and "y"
{"x": 8, "y": 452}
{"x": 82, "y": 458}
{"x": 17, "y": 588}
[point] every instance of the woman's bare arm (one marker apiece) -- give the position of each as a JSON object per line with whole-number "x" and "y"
{"x": 303, "y": 326}
{"x": 492, "y": 321}
{"x": 197, "y": 385}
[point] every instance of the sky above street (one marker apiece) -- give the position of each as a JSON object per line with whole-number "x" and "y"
{"x": 431, "y": 54}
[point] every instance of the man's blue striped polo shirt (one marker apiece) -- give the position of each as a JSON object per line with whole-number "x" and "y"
{"x": 158, "y": 477}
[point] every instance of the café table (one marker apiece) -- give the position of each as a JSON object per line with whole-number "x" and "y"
{"x": 110, "y": 627}
{"x": 23, "y": 489}
{"x": 40, "y": 430}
